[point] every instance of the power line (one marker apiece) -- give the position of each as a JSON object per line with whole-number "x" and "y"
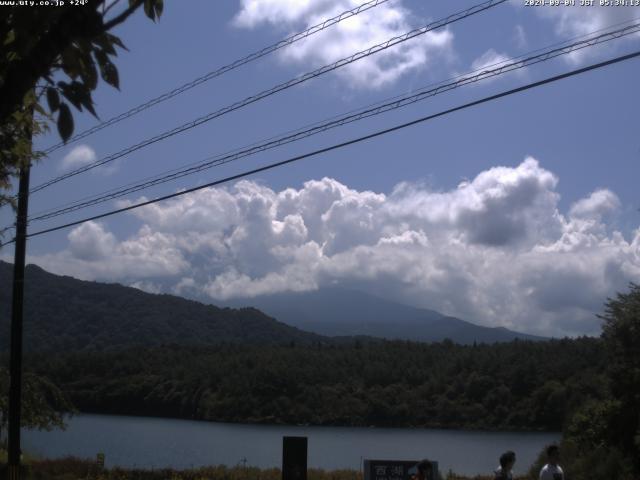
{"x": 218, "y": 160}
{"x": 220, "y": 71}
{"x": 266, "y": 93}
{"x": 506, "y": 93}
{"x": 208, "y": 164}
{"x": 398, "y": 102}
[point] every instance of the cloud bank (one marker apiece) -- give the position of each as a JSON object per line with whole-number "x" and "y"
{"x": 355, "y": 34}
{"x": 494, "y": 250}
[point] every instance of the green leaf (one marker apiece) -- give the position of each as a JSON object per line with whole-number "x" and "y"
{"x": 86, "y": 62}
{"x": 65, "y": 122}
{"x": 53, "y": 99}
{"x": 149, "y": 9}
{"x": 110, "y": 75}
{"x": 159, "y": 7}
{"x": 79, "y": 94}
{"x": 101, "y": 57}
{"x": 108, "y": 70}
{"x": 89, "y": 72}
{"x": 10, "y": 38}
{"x": 38, "y": 108}
{"x": 87, "y": 101}
{"x": 71, "y": 61}
{"x": 70, "y": 92}
{"x": 116, "y": 41}
{"x": 105, "y": 43}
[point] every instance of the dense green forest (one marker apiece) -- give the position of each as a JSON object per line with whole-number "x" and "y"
{"x": 519, "y": 385}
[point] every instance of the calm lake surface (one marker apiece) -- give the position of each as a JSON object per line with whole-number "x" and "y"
{"x": 157, "y": 443}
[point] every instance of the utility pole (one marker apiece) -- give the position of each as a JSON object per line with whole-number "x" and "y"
{"x": 15, "y": 360}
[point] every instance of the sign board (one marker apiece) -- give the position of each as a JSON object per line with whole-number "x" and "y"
{"x": 294, "y": 458}
{"x": 394, "y": 469}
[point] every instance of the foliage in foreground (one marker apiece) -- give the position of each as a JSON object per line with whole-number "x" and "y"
{"x": 55, "y": 54}
{"x": 601, "y": 439}
{"x": 43, "y": 403}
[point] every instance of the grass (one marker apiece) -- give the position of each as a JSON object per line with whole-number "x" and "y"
{"x": 72, "y": 468}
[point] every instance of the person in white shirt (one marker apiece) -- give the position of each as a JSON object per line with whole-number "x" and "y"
{"x": 552, "y": 471}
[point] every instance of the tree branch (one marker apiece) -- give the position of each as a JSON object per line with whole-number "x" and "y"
{"x": 106, "y": 10}
{"x": 122, "y": 17}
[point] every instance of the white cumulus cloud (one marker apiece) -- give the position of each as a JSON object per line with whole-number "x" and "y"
{"x": 352, "y": 35}
{"x": 90, "y": 241}
{"x": 78, "y": 157}
{"x": 495, "y": 250}
{"x": 598, "y": 204}
{"x": 83, "y": 155}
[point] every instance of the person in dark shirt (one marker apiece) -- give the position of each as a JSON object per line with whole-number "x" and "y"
{"x": 424, "y": 471}
{"x": 507, "y": 460}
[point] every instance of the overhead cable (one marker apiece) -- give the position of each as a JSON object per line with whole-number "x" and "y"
{"x": 266, "y": 93}
{"x": 378, "y": 133}
{"x": 220, "y": 71}
{"x": 397, "y": 102}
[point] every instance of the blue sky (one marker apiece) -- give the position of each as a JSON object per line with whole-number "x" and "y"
{"x": 522, "y": 212}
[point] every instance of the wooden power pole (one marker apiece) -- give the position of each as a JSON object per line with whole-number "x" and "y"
{"x": 15, "y": 360}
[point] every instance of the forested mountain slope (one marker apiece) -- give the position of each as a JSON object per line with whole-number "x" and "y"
{"x": 66, "y": 314}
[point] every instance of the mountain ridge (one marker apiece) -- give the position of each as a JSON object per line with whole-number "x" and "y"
{"x": 353, "y": 312}
{"x": 64, "y": 313}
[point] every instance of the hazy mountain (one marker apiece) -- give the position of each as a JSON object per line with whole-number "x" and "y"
{"x": 63, "y": 314}
{"x": 334, "y": 311}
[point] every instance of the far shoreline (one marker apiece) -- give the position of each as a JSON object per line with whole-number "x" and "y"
{"x": 269, "y": 424}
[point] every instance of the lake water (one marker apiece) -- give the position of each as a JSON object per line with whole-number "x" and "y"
{"x": 157, "y": 443}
